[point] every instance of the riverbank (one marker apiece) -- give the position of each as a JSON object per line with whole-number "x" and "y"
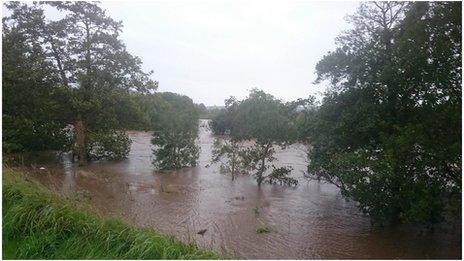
{"x": 38, "y": 224}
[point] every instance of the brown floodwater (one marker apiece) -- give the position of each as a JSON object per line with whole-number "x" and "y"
{"x": 311, "y": 221}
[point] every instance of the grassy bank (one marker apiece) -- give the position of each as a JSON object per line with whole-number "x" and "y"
{"x": 38, "y": 224}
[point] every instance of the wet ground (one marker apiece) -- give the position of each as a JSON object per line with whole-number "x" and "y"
{"x": 307, "y": 222}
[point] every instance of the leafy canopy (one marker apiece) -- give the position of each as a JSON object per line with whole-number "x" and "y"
{"x": 388, "y": 133}
{"x": 262, "y": 122}
{"x": 72, "y": 70}
{"x": 175, "y": 121}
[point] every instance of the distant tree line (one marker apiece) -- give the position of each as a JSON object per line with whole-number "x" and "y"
{"x": 207, "y": 112}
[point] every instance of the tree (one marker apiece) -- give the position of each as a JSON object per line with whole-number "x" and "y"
{"x": 222, "y": 121}
{"x": 388, "y": 132}
{"x": 230, "y": 151}
{"x": 175, "y": 132}
{"x": 113, "y": 145}
{"x": 263, "y": 121}
{"x": 34, "y": 109}
{"x": 90, "y": 60}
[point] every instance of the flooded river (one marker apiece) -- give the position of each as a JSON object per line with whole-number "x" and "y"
{"x": 307, "y": 222}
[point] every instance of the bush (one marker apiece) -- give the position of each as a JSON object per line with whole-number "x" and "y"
{"x": 176, "y": 129}
{"x": 22, "y": 134}
{"x": 228, "y": 152}
{"x": 264, "y": 122}
{"x": 109, "y": 145}
{"x": 175, "y": 150}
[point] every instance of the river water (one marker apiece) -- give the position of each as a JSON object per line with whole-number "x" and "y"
{"x": 307, "y": 222}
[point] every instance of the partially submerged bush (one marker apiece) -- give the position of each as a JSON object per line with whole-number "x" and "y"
{"x": 110, "y": 145}
{"x": 258, "y": 160}
{"x": 227, "y": 152}
{"x": 175, "y": 150}
{"x": 175, "y": 133}
{"x": 281, "y": 176}
{"x": 264, "y": 122}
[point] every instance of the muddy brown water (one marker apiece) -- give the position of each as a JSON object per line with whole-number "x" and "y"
{"x": 311, "y": 221}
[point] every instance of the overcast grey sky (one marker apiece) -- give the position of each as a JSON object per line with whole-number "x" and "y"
{"x": 210, "y": 50}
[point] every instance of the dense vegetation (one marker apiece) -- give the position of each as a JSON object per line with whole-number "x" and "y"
{"x": 71, "y": 85}
{"x": 388, "y": 132}
{"x": 228, "y": 153}
{"x": 38, "y": 224}
{"x": 175, "y": 132}
{"x": 71, "y": 71}
{"x": 264, "y": 122}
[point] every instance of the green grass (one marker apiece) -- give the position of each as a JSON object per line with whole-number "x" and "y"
{"x": 38, "y": 224}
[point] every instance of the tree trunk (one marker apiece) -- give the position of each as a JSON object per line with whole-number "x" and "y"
{"x": 261, "y": 170}
{"x": 79, "y": 130}
{"x": 233, "y": 166}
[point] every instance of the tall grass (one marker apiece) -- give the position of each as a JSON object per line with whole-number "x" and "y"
{"x": 37, "y": 224}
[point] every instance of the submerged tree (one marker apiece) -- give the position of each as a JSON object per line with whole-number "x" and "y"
{"x": 175, "y": 150}
{"x": 263, "y": 122}
{"x": 228, "y": 153}
{"x": 176, "y": 129}
{"x": 389, "y": 131}
{"x": 89, "y": 60}
{"x": 112, "y": 145}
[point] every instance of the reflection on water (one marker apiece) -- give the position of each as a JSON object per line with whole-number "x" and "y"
{"x": 310, "y": 221}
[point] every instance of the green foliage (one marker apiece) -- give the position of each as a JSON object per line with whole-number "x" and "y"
{"x": 175, "y": 131}
{"x": 131, "y": 113}
{"x": 109, "y": 145}
{"x": 264, "y": 122}
{"x": 175, "y": 150}
{"x": 228, "y": 153}
{"x": 37, "y": 224}
{"x": 175, "y": 112}
{"x": 33, "y": 104}
{"x": 301, "y": 112}
{"x": 207, "y": 112}
{"x": 389, "y": 131}
{"x": 25, "y": 134}
{"x": 222, "y": 123}
{"x": 262, "y": 118}
{"x": 280, "y": 176}
{"x": 71, "y": 70}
